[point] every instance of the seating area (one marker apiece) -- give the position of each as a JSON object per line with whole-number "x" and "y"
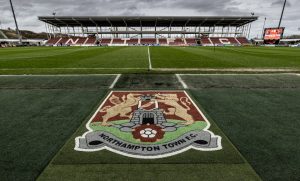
{"x": 133, "y": 41}
{"x": 205, "y": 41}
{"x": 177, "y": 42}
{"x": 63, "y": 41}
{"x": 92, "y": 41}
{"x": 162, "y": 41}
{"x": 117, "y": 41}
{"x": 215, "y": 41}
{"x": 81, "y": 41}
{"x": 233, "y": 40}
{"x": 53, "y": 41}
{"x": 191, "y": 41}
{"x": 148, "y": 41}
{"x": 72, "y": 41}
{"x": 243, "y": 40}
{"x": 224, "y": 41}
{"x": 105, "y": 41}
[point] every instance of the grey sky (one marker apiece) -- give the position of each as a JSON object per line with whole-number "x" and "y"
{"x": 28, "y": 10}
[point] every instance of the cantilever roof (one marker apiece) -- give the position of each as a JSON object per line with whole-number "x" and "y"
{"x": 147, "y": 21}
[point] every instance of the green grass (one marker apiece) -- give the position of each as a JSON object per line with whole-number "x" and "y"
{"x": 35, "y": 122}
{"x": 225, "y": 164}
{"x": 40, "y": 113}
{"x": 69, "y": 59}
{"x": 40, "y": 117}
{"x": 225, "y": 57}
{"x": 121, "y": 172}
{"x": 93, "y": 60}
{"x": 57, "y": 82}
{"x": 267, "y": 81}
{"x": 260, "y": 115}
{"x": 263, "y": 124}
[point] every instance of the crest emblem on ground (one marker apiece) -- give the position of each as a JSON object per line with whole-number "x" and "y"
{"x": 148, "y": 125}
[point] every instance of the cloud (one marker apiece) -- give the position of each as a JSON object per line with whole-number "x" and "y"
{"x": 28, "y": 10}
{"x": 280, "y": 3}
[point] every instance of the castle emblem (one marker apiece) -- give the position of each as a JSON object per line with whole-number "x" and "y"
{"x": 148, "y": 125}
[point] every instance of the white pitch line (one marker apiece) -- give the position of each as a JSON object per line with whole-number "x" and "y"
{"x": 56, "y": 75}
{"x": 225, "y": 74}
{"x": 181, "y": 81}
{"x": 149, "y": 58}
{"x": 75, "y": 69}
{"x": 115, "y": 81}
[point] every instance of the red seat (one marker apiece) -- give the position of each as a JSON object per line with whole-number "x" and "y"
{"x": 53, "y": 41}
{"x": 117, "y": 41}
{"x": 215, "y": 40}
{"x": 163, "y": 41}
{"x": 233, "y": 40}
{"x": 148, "y": 41}
{"x": 63, "y": 41}
{"x": 81, "y": 40}
{"x": 91, "y": 41}
{"x": 105, "y": 41}
{"x": 205, "y": 41}
{"x": 243, "y": 40}
{"x": 133, "y": 41}
{"x": 177, "y": 41}
{"x": 191, "y": 41}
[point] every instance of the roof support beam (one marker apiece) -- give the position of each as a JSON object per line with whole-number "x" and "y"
{"x": 109, "y": 22}
{"x": 187, "y": 22}
{"x": 66, "y": 24}
{"x": 77, "y": 21}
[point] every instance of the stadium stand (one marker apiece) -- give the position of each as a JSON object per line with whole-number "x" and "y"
{"x": 176, "y": 42}
{"x": 224, "y": 41}
{"x": 63, "y": 41}
{"x": 118, "y": 41}
{"x": 215, "y": 40}
{"x": 191, "y": 41}
{"x": 162, "y": 41}
{"x": 147, "y": 41}
{"x": 233, "y": 41}
{"x": 105, "y": 41}
{"x": 205, "y": 41}
{"x": 53, "y": 41}
{"x": 123, "y": 27}
{"x": 242, "y": 40}
{"x": 132, "y": 41}
{"x": 81, "y": 41}
{"x": 72, "y": 41}
{"x": 91, "y": 41}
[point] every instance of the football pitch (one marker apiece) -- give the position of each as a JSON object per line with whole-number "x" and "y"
{"x": 94, "y": 60}
{"x": 256, "y": 115}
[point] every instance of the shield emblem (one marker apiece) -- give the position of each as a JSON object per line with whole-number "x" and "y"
{"x": 148, "y": 125}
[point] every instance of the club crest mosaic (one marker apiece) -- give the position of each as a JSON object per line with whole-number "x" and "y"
{"x": 148, "y": 125}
